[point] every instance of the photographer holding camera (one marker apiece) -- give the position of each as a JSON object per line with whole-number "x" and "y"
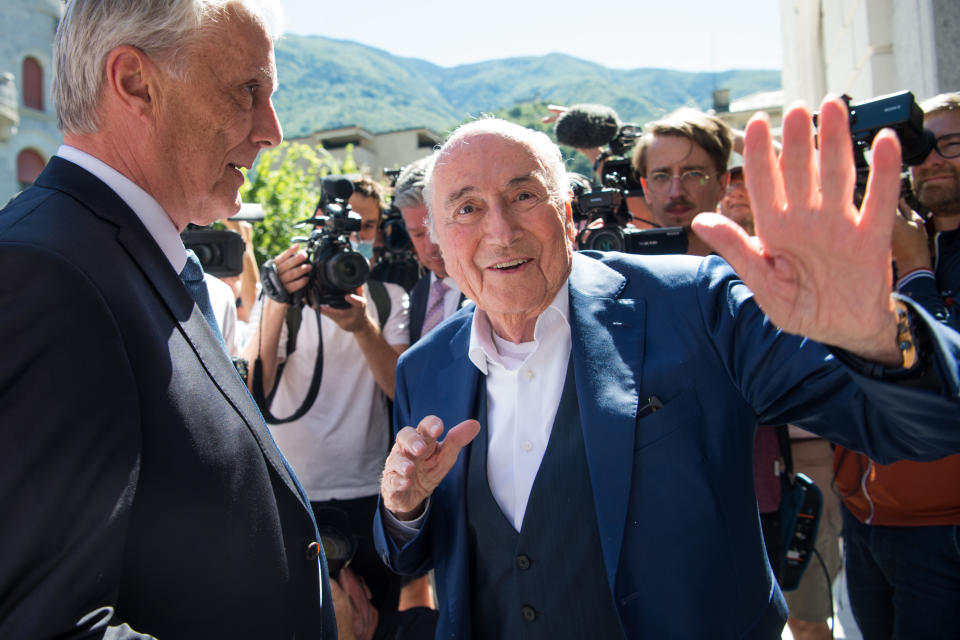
{"x": 682, "y": 159}
{"x": 617, "y": 205}
{"x": 319, "y": 337}
{"x": 900, "y": 520}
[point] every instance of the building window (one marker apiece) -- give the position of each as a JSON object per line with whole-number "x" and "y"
{"x": 29, "y": 165}
{"x": 32, "y": 84}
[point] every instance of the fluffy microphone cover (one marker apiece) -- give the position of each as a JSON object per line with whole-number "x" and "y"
{"x": 586, "y": 126}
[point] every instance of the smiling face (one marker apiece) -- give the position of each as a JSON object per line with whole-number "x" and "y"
{"x": 936, "y": 181}
{"x": 504, "y": 238}
{"x": 214, "y": 121}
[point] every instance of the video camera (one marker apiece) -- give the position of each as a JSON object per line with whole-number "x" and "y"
{"x": 220, "y": 250}
{"x": 336, "y": 268}
{"x": 397, "y": 260}
{"x": 608, "y": 203}
{"x": 897, "y": 111}
{"x": 610, "y": 206}
{"x": 617, "y": 171}
{"x": 588, "y": 126}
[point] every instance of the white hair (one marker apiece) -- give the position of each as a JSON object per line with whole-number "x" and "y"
{"x": 163, "y": 29}
{"x": 543, "y": 149}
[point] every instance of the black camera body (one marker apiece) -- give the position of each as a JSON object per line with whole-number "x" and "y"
{"x": 336, "y": 268}
{"x": 396, "y": 260}
{"x": 897, "y": 111}
{"x": 220, "y": 251}
{"x": 617, "y": 172}
{"x": 609, "y": 206}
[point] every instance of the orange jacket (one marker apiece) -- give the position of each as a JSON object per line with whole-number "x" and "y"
{"x": 904, "y": 493}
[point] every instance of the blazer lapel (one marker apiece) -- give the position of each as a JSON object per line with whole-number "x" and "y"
{"x": 146, "y": 254}
{"x": 459, "y": 403}
{"x": 607, "y": 345}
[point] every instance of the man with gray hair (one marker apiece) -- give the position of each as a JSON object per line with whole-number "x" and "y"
{"x": 610, "y": 491}
{"x": 435, "y": 296}
{"x": 141, "y": 492}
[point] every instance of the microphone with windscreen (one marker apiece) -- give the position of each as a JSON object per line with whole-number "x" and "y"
{"x": 587, "y": 126}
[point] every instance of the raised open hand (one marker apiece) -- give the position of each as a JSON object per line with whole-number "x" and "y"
{"x": 818, "y": 266}
{"x": 418, "y": 462}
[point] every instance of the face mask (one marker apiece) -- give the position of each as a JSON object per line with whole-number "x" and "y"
{"x": 364, "y": 248}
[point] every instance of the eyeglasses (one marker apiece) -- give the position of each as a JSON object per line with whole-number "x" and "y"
{"x": 948, "y": 146}
{"x": 689, "y": 180}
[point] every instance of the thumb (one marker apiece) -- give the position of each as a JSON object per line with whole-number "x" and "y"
{"x": 729, "y": 240}
{"x": 456, "y": 439}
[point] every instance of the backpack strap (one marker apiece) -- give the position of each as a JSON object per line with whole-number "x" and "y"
{"x": 293, "y": 319}
{"x": 381, "y": 300}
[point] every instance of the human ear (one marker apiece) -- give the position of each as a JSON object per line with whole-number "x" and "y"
{"x": 129, "y": 75}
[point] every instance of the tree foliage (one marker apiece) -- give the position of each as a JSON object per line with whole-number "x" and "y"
{"x": 286, "y": 183}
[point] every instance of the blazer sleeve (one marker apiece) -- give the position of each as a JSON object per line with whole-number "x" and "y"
{"x": 412, "y": 558}
{"x": 789, "y": 379}
{"x": 69, "y": 430}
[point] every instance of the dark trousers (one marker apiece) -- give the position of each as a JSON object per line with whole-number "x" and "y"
{"x": 903, "y": 582}
{"x": 384, "y": 585}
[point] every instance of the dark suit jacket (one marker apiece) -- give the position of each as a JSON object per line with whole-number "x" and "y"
{"x": 418, "y": 306}
{"x": 139, "y": 486}
{"x": 673, "y": 489}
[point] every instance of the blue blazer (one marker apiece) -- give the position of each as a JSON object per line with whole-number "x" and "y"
{"x": 139, "y": 487}
{"x": 673, "y": 489}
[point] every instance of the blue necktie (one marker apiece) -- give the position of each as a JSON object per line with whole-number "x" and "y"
{"x": 192, "y": 277}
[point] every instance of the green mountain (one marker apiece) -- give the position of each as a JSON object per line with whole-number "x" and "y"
{"x": 326, "y": 83}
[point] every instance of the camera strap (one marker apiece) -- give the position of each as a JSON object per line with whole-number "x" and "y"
{"x": 294, "y": 317}
{"x": 293, "y": 321}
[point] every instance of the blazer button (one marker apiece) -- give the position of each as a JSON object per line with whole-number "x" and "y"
{"x": 313, "y": 551}
{"x": 529, "y": 613}
{"x": 523, "y": 562}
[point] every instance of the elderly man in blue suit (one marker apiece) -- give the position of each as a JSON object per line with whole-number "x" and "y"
{"x": 610, "y": 493}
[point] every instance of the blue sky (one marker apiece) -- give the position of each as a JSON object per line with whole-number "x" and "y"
{"x": 691, "y": 35}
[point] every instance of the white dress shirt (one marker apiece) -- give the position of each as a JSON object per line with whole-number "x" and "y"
{"x": 524, "y": 385}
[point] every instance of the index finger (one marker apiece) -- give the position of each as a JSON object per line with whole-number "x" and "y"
{"x": 431, "y": 427}
{"x": 422, "y": 440}
{"x": 289, "y": 251}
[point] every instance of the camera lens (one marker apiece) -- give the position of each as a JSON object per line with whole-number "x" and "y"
{"x": 347, "y": 270}
{"x": 605, "y": 239}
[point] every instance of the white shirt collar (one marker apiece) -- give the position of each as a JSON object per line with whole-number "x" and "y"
{"x": 483, "y": 351}
{"x": 151, "y": 214}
